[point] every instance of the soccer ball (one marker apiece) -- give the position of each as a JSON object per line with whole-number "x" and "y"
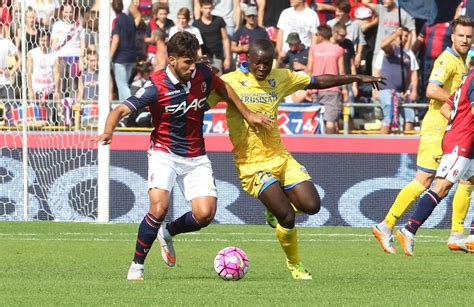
{"x": 231, "y": 263}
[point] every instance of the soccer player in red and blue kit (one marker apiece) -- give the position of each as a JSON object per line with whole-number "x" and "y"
{"x": 177, "y": 98}
{"x": 456, "y": 163}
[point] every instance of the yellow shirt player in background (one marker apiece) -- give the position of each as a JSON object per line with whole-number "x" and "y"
{"x": 448, "y": 71}
{"x": 265, "y": 167}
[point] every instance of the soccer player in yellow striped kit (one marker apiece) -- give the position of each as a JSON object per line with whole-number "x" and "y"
{"x": 266, "y": 169}
{"x": 448, "y": 71}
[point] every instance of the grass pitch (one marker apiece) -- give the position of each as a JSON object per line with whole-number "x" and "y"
{"x": 45, "y": 263}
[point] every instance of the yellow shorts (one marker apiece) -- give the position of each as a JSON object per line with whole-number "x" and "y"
{"x": 255, "y": 177}
{"x": 429, "y": 153}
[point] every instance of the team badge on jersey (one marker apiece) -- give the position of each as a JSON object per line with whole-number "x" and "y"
{"x": 203, "y": 86}
{"x": 244, "y": 83}
{"x": 272, "y": 82}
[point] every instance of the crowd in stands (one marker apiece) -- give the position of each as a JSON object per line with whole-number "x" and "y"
{"x": 310, "y": 36}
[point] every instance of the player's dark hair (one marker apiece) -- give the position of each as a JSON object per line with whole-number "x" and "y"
{"x": 263, "y": 44}
{"x": 183, "y": 44}
{"x": 325, "y": 31}
{"x": 461, "y": 21}
{"x": 405, "y": 29}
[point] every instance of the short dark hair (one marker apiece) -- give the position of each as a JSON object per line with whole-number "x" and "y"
{"x": 339, "y": 25}
{"x": 325, "y": 31}
{"x": 344, "y": 6}
{"x": 461, "y": 21}
{"x": 183, "y": 44}
{"x": 264, "y": 45}
{"x": 206, "y": 2}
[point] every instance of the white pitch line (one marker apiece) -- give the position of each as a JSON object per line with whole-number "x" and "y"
{"x": 97, "y": 234}
{"x": 194, "y": 240}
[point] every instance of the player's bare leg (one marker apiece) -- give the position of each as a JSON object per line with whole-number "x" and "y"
{"x": 274, "y": 198}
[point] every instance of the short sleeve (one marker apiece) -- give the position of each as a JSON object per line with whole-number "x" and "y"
{"x": 295, "y": 82}
{"x": 379, "y": 60}
{"x": 146, "y": 95}
{"x": 413, "y": 61}
{"x": 440, "y": 72}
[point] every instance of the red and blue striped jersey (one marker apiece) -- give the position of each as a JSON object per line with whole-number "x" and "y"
{"x": 177, "y": 109}
{"x": 460, "y": 129}
{"x": 435, "y": 39}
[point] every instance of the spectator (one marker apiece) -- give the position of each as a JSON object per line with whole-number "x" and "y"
{"x": 31, "y": 35}
{"x": 42, "y": 69}
{"x": 9, "y": 65}
{"x": 353, "y": 28}
{"x": 296, "y": 58}
{"x": 355, "y": 4}
{"x": 183, "y": 25}
{"x": 298, "y": 18}
{"x": 91, "y": 30}
{"x": 141, "y": 118}
{"x": 396, "y": 91}
{"x": 324, "y": 8}
{"x": 388, "y": 22}
{"x": 431, "y": 42}
{"x": 268, "y": 15}
{"x": 368, "y": 22}
{"x": 247, "y": 34}
{"x": 176, "y": 5}
{"x": 229, "y": 10}
{"x": 161, "y": 54}
{"x": 216, "y": 45}
{"x": 45, "y": 11}
{"x": 123, "y": 52}
{"x": 326, "y": 57}
{"x": 160, "y": 21}
{"x": 6, "y": 16}
{"x": 88, "y": 90}
{"x": 339, "y": 34}
{"x": 66, "y": 41}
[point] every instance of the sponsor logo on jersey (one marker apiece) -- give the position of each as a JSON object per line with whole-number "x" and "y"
{"x": 184, "y": 107}
{"x": 259, "y": 97}
{"x": 203, "y": 86}
{"x": 272, "y": 82}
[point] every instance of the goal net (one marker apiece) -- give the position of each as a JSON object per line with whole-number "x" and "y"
{"x": 49, "y": 110}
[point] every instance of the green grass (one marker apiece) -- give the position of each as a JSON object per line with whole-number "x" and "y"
{"x": 45, "y": 263}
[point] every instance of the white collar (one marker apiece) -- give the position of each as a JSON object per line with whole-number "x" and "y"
{"x": 175, "y": 80}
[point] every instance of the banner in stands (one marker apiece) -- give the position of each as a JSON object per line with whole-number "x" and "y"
{"x": 357, "y": 187}
{"x": 300, "y": 118}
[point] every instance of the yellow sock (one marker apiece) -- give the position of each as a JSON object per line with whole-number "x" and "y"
{"x": 404, "y": 199}
{"x": 461, "y": 201}
{"x": 289, "y": 242}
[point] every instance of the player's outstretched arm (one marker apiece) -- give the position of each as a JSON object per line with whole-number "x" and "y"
{"x": 255, "y": 120}
{"x": 113, "y": 119}
{"x": 327, "y": 81}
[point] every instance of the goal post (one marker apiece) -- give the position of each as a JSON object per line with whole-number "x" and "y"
{"x": 49, "y": 167}
{"x": 103, "y": 176}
